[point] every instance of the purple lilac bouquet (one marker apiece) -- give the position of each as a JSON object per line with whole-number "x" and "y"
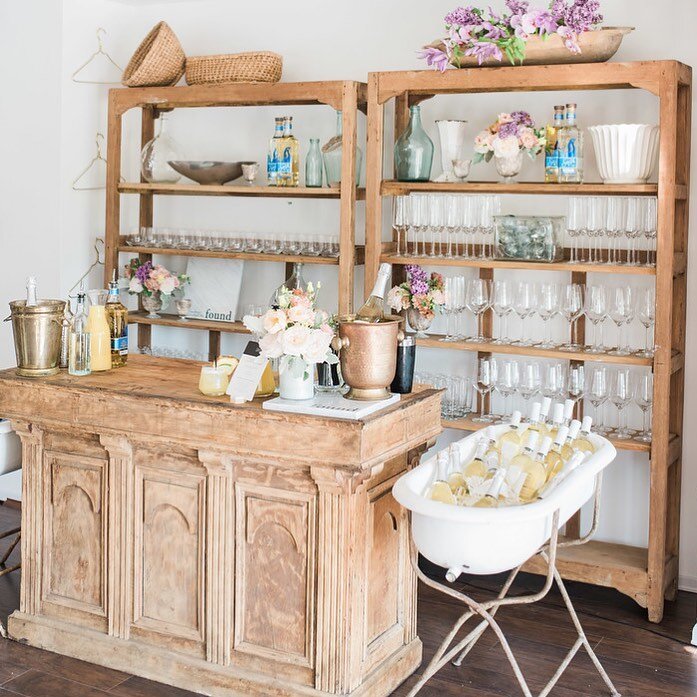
{"x": 490, "y": 36}
{"x": 152, "y": 279}
{"x": 507, "y": 135}
{"x": 422, "y": 292}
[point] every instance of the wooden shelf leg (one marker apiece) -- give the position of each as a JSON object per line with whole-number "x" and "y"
{"x": 373, "y": 179}
{"x": 347, "y": 227}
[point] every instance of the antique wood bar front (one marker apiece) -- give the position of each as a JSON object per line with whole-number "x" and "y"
{"x": 226, "y": 550}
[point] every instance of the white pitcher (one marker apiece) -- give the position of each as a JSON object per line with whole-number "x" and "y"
{"x": 452, "y": 145}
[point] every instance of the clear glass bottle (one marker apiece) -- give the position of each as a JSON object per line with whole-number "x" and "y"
{"x": 557, "y": 420}
{"x": 570, "y": 143}
{"x": 100, "y": 335}
{"x": 117, "y": 317}
{"x": 31, "y": 292}
{"x": 512, "y": 435}
{"x": 583, "y": 442}
{"x": 313, "y": 164}
{"x": 525, "y": 457}
{"x": 568, "y": 448}
{"x": 534, "y": 420}
{"x": 476, "y": 467}
{"x": 535, "y": 469}
{"x": 544, "y": 413}
{"x": 373, "y": 309}
{"x": 413, "y": 151}
{"x": 156, "y": 155}
{"x": 79, "y": 350}
{"x": 456, "y": 477}
{"x": 294, "y": 282}
{"x": 274, "y": 153}
{"x": 552, "y": 146}
{"x": 440, "y": 489}
{"x": 568, "y": 468}
{"x": 554, "y": 460}
{"x": 331, "y": 154}
{"x": 66, "y": 323}
{"x": 491, "y": 498}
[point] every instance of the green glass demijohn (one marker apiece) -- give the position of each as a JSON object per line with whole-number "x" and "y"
{"x": 413, "y": 151}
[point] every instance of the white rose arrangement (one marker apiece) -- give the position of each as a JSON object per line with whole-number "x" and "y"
{"x": 509, "y": 134}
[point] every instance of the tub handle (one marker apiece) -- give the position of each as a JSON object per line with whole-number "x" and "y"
{"x": 339, "y": 342}
{"x": 452, "y": 574}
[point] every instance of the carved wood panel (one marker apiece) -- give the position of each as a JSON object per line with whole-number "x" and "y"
{"x": 75, "y": 532}
{"x": 274, "y": 575}
{"x": 169, "y": 553}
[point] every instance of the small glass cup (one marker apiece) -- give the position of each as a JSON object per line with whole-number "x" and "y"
{"x": 213, "y": 381}
{"x": 183, "y": 308}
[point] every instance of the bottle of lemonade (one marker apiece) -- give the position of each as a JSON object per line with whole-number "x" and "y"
{"x": 100, "y": 335}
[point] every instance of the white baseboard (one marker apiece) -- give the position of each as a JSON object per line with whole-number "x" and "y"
{"x": 687, "y": 583}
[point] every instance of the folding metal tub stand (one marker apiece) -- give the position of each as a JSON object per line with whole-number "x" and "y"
{"x": 487, "y": 611}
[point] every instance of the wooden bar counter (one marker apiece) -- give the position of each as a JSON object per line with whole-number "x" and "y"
{"x": 226, "y": 550}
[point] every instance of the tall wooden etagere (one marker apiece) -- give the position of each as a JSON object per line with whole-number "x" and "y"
{"x": 346, "y": 96}
{"x": 649, "y": 575}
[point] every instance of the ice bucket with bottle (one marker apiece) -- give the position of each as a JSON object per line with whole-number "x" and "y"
{"x": 368, "y": 354}
{"x": 37, "y": 332}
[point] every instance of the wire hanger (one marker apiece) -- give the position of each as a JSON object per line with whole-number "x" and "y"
{"x": 99, "y": 52}
{"x": 94, "y": 161}
{"x": 99, "y": 261}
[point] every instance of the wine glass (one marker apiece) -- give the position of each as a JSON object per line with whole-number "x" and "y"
{"x": 400, "y": 218}
{"x": 418, "y": 214}
{"x": 632, "y": 227}
{"x": 576, "y": 383}
{"x": 477, "y": 303}
{"x": 547, "y": 307}
{"x": 621, "y": 396}
{"x": 502, "y": 304}
{"x": 596, "y": 310}
{"x": 530, "y": 382}
{"x": 650, "y": 222}
{"x": 507, "y": 381}
{"x": 621, "y": 313}
{"x": 436, "y": 223}
{"x": 452, "y": 222}
{"x": 597, "y": 394}
{"x": 613, "y": 226}
{"x": 575, "y": 224}
{"x": 524, "y": 303}
{"x": 553, "y": 383}
{"x": 646, "y": 312}
{"x": 450, "y": 308}
{"x": 571, "y": 307}
{"x": 643, "y": 396}
{"x": 483, "y": 384}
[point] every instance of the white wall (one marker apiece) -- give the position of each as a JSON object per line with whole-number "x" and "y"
{"x": 318, "y": 40}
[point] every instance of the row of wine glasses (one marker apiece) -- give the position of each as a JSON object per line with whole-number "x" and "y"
{"x": 608, "y": 229}
{"x": 220, "y": 241}
{"x": 621, "y": 305}
{"x": 499, "y": 387}
{"x": 445, "y": 225}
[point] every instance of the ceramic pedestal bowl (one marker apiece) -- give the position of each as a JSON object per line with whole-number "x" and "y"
{"x": 208, "y": 171}
{"x": 626, "y": 152}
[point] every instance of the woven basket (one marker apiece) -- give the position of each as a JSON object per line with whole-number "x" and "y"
{"x": 254, "y": 66}
{"x": 158, "y": 61}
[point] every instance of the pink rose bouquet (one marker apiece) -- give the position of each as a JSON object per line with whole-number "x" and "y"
{"x": 509, "y": 134}
{"x": 420, "y": 291}
{"x": 151, "y": 279}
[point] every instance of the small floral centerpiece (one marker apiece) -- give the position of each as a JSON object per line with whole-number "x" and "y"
{"x": 153, "y": 282}
{"x": 489, "y": 35}
{"x": 506, "y": 140}
{"x": 299, "y": 335}
{"x": 421, "y": 295}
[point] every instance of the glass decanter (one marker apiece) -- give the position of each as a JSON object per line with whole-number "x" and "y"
{"x": 413, "y": 151}
{"x": 295, "y": 281}
{"x": 331, "y": 154}
{"x": 157, "y": 154}
{"x": 313, "y": 164}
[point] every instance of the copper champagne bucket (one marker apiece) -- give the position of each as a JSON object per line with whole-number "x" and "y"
{"x": 368, "y": 354}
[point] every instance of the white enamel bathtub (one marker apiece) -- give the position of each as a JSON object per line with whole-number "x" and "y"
{"x": 491, "y": 540}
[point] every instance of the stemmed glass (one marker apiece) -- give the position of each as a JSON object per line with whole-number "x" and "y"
{"x": 575, "y": 224}
{"x": 643, "y": 397}
{"x": 646, "y": 312}
{"x": 597, "y": 394}
{"x": 650, "y": 223}
{"x": 576, "y": 383}
{"x": 547, "y": 307}
{"x": 632, "y": 227}
{"x": 507, "y": 381}
{"x": 436, "y": 224}
{"x": 613, "y": 226}
{"x": 553, "y": 384}
{"x": 596, "y": 311}
{"x": 502, "y": 304}
{"x": 453, "y": 218}
{"x": 477, "y": 303}
{"x": 530, "y": 382}
{"x": 621, "y": 396}
{"x": 621, "y": 313}
{"x": 571, "y": 308}
{"x": 595, "y": 228}
{"x": 400, "y": 220}
{"x": 524, "y": 303}
{"x": 418, "y": 216}
{"x": 484, "y": 383}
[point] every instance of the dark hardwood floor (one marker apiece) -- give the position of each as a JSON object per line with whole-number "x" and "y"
{"x": 644, "y": 660}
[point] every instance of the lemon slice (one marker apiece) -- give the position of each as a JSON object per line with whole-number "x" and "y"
{"x": 228, "y": 364}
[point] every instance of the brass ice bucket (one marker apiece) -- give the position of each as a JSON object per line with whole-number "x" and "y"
{"x": 368, "y": 354}
{"x": 37, "y": 331}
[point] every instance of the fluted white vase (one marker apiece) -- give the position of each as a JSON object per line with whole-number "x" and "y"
{"x": 452, "y": 145}
{"x": 625, "y": 152}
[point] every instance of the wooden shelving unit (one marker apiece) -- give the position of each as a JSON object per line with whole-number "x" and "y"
{"x": 346, "y": 96}
{"x": 647, "y": 575}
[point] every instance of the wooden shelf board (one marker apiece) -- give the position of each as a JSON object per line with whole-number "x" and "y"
{"x": 525, "y": 265}
{"x": 290, "y": 258}
{"x": 193, "y": 189}
{"x": 390, "y": 187}
{"x": 487, "y": 347}
{"x": 467, "y": 424}
{"x": 168, "y": 320}
{"x": 602, "y": 564}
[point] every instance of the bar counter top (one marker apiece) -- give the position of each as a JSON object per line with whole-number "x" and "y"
{"x": 221, "y": 548}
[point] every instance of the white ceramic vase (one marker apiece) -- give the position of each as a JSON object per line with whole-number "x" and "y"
{"x": 452, "y": 145}
{"x": 296, "y": 380}
{"x": 626, "y": 152}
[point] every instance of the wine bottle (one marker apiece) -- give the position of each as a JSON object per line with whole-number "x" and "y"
{"x": 117, "y": 317}
{"x": 568, "y": 448}
{"x": 525, "y": 457}
{"x": 544, "y": 413}
{"x": 491, "y": 498}
{"x": 440, "y": 489}
{"x": 583, "y": 442}
{"x": 557, "y": 420}
{"x": 31, "y": 292}
{"x": 79, "y": 340}
{"x": 476, "y": 467}
{"x": 569, "y": 467}
{"x": 534, "y": 422}
{"x": 554, "y": 460}
{"x": 456, "y": 477}
{"x": 373, "y": 310}
{"x": 492, "y": 458}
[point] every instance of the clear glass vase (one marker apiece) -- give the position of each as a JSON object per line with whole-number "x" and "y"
{"x": 157, "y": 154}
{"x": 413, "y": 151}
{"x": 313, "y": 164}
{"x": 331, "y": 154}
{"x": 294, "y": 281}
